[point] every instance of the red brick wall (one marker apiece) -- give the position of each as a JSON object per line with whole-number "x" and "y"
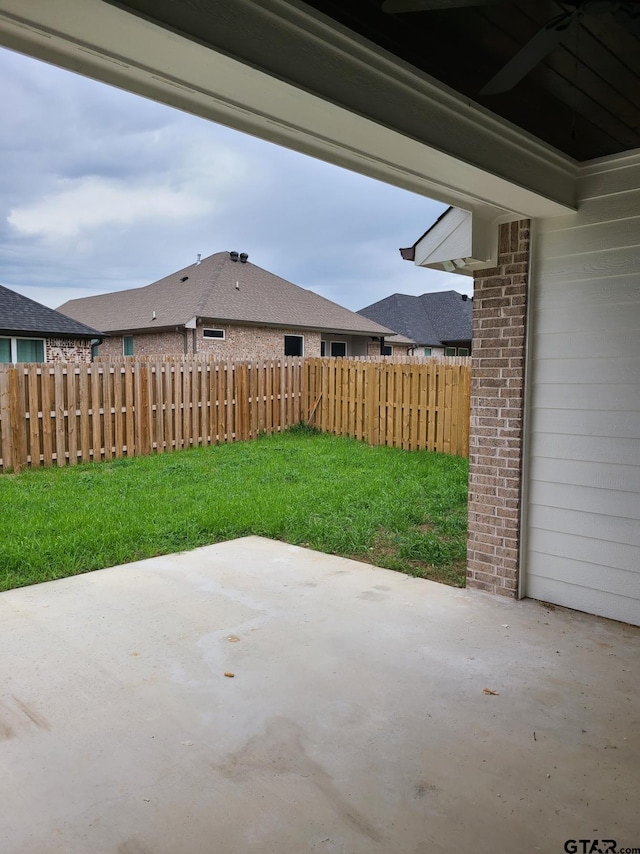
{"x": 497, "y": 407}
{"x": 67, "y": 350}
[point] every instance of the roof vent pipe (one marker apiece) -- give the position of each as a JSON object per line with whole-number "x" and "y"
{"x": 233, "y": 256}
{"x": 198, "y": 258}
{"x": 244, "y": 257}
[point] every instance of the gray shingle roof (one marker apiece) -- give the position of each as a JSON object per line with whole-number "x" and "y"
{"x": 431, "y": 320}
{"x": 218, "y": 289}
{"x": 23, "y": 316}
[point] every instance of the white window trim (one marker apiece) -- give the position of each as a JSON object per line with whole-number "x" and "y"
{"x": 346, "y": 350}
{"x": 222, "y": 337}
{"x": 14, "y": 346}
{"x": 294, "y": 336}
{"x": 321, "y": 347}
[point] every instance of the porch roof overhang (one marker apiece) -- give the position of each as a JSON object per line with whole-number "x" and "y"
{"x": 362, "y": 108}
{"x": 452, "y": 244}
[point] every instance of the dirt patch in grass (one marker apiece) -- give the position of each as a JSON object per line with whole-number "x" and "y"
{"x": 390, "y": 551}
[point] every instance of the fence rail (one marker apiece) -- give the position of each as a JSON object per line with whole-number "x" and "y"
{"x": 62, "y": 414}
{"x": 416, "y": 406}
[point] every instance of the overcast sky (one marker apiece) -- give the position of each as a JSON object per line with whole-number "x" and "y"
{"x": 101, "y": 190}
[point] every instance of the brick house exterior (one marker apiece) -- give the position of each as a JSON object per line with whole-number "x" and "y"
{"x": 232, "y": 309}
{"x": 241, "y": 342}
{"x": 497, "y": 409}
{"x": 67, "y": 350}
{"x": 32, "y": 332}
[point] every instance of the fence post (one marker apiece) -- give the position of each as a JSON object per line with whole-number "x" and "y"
{"x": 14, "y": 408}
{"x": 6, "y": 446}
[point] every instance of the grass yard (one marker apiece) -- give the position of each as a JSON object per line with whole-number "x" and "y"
{"x": 398, "y": 509}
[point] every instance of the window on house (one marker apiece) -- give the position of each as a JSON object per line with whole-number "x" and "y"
{"x": 386, "y": 350}
{"x": 95, "y": 345}
{"x": 450, "y": 351}
{"x": 463, "y": 351}
{"x": 338, "y": 349}
{"x": 427, "y": 351}
{"x": 21, "y": 350}
{"x": 29, "y": 350}
{"x": 127, "y": 345}
{"x": 323, "y": 348}
{"x": 293, "y": 345}
{"x": 213, "y": 333}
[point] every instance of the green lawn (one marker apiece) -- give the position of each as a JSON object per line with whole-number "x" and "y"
{"x": 398, "y": 509}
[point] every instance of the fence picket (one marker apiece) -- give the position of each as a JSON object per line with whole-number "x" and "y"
{"x": 65, "y": 413}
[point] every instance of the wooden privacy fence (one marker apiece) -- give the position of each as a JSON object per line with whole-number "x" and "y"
{"x": 60, "y": 414}
{"x": 411, "y": 405}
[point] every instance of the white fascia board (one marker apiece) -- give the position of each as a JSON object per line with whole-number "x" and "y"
{"x": 449, "y": 238}
{"x": 398, "y": 125}
{"x": 191, "y": 324}
{"x": 460, "y": 242}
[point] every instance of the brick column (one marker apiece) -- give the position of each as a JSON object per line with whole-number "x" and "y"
{"x": 497, "y": 408}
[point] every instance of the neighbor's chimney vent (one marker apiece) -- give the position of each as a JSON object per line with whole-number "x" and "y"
{"x": 198, "y": 258}
{"x": 244, "y": 257}
{"x": 233, "y": 256}
{"x": 464, "y": 297}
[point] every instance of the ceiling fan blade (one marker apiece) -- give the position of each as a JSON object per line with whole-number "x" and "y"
{"x": 393, "y": 7}
{"x": 628, "y": 17}
{"x": 531, "y": 54}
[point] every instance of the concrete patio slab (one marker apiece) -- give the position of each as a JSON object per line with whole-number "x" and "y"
{"x": 357, "y": 718}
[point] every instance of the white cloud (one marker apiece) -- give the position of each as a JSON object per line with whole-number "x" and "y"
{"x": 53, "y": 297}
{"x": 102, "y": 191}
{"x": 89, "y": 203}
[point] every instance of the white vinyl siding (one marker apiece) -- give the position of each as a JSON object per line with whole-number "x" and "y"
{"x": 582, "y": 544}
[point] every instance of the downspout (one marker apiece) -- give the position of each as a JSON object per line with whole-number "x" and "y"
{"x": 193, "y": 325}
{"x": 526, "y": 421}
{"x": 183, "y": 332}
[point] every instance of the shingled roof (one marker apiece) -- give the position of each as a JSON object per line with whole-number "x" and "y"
{"x": 23, "y": 316}
{"x": 430, "y": 320}
{"x": 219, "y": 289}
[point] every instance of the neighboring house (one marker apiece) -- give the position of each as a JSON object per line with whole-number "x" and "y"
{"x": 439, "y": 324}
{"x": 31, "y": 332}
{"x": 230, "y": 308}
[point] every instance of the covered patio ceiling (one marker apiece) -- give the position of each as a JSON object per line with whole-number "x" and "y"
{"x": 582, "y": 96}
